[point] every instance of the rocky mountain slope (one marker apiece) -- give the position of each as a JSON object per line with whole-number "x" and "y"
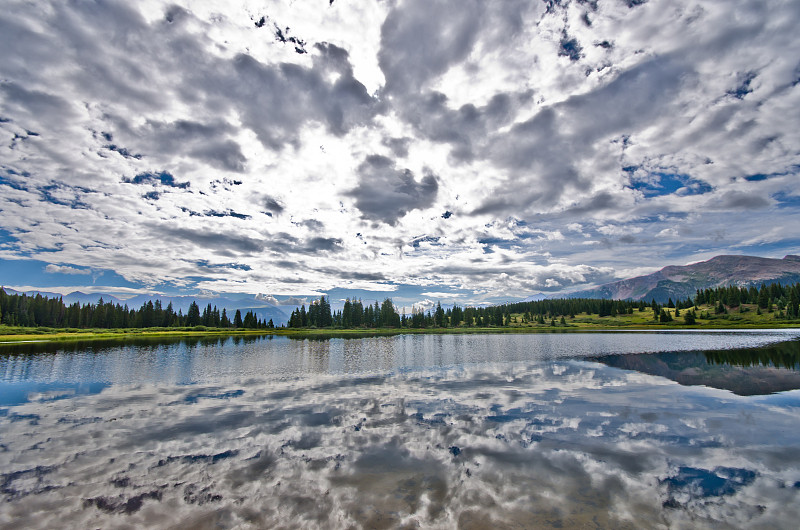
{"x": 681, "y": 282}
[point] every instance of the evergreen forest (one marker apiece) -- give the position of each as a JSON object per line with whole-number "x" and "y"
{"x": 39, "y": 311}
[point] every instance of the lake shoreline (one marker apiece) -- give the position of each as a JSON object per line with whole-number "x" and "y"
{"x": 38, "y": 335}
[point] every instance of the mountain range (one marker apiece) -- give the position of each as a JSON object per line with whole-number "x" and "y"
{"x": 674, "y": 281}
{"x": 681, "y": 282}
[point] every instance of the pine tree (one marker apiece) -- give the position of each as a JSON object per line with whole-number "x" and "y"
{"x": 439, "y": 315}
{"x": 193, "y": 316}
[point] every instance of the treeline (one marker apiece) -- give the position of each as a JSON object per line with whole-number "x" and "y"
{"x": 782, "y": 355}
{"x": 783, "y": 298}
{"x": 356, "y": 314}
{"x": 40, "y": 311}
{"x": 35, "y": 311}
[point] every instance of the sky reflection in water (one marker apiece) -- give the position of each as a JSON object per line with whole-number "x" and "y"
{"x": 453, "y": 431}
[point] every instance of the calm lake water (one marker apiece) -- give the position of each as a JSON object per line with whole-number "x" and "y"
{"x": 609, "y": 430}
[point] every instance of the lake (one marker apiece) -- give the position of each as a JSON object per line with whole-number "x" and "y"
{"x": 695, "y": 429}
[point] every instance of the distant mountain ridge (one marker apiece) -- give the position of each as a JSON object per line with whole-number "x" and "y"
{"x": 681, "y": 282}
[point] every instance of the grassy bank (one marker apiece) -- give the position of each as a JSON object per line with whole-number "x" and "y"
{"x": 41, "y": 334}
{"x": 747, "y": 317}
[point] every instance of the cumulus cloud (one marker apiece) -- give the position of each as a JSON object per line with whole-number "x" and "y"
{"x": 290, "y": 301}
{"x": 66, "y": 269}
{"x": 144, "y": 139}
{"x": 267, "y": 298}
{"x": 207, "y": 142}
{"x": 386, "y": 193}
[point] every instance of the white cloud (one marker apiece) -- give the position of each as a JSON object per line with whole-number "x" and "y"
{"x": 66, "y": 269}
{"x": 123, "y": 293}
{"x": 441, "y": 294}
{"x": 207, "y": 147}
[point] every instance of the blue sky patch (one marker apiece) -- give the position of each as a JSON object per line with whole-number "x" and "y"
{"x": 237, "y": 266}
{"x": 165, "y": 178}
{"x": 14, "y": 181}
{"x": 774, "y": 249}
{"x": 660, "y": 184}
{"x": 426, "y": 239}
{"x": 50, "y": 194}
{"x": 6, "y": 237}
{"x": 785, "y": 200}
{"x": 744, "y": 87}
{"x": 764, "y": 176}
{"x": 34, "y": 272}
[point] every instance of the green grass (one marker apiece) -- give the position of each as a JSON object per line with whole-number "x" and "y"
{"x": 19, "y": 333}
{"x": 748, "y": 319}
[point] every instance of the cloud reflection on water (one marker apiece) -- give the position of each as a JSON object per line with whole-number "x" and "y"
{"x": 531, "y": 444}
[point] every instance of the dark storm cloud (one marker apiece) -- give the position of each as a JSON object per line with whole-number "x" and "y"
{"x": 284, "y": 244}
{"x": 224, "y": 243}
{"x": 599, "y": 203}
{"x": 272, "y": 205}
{"x": 386, "y": 193}
{"x": 35, "y": 105}
{"x": 203, "y": 141}
{"x": 635, "y": 97}
{"x": 312, "y": 224}
{"x": 399, "y": 146}
{"x": 352, "y": 275}
{"x": 275, "y": 100}
{"x": 472, "y": 272}
{"x": 465, "y": 128}
{"x": 317, "y": 244}
{"x": 85, "y": 31}
{"x": 543, "y": 154}
{"x": 223, "y": 155}
{"x": 545, "y": 150}
{"x": 422, "y": 39}
{"x": 736, "y": 200}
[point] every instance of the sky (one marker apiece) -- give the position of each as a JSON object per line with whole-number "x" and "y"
{"x": 455, "y": 150}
